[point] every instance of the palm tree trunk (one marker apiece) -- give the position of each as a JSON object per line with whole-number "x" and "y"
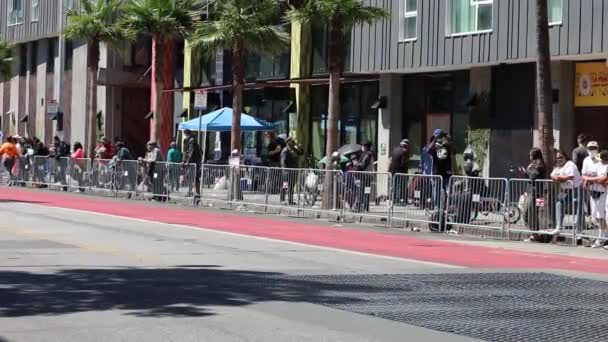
{"x": 157, "y": 87}
{"x": 238, "y": 80}
{"x": 92, "y": 68}
{"x": 336, "y": 64}
{"x": 544, "y": 97}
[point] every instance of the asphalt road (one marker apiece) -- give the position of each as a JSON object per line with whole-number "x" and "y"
{"x": 67, "y": 275}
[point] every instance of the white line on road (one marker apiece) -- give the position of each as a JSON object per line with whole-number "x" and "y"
{"x": 245, "y": 236}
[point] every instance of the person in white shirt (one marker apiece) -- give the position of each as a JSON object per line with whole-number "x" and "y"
{"x": 566, "y": 174}
{"x": 594, "y": 172}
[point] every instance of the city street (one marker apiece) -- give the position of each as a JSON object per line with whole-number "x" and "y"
{"x": 76, "y": 268}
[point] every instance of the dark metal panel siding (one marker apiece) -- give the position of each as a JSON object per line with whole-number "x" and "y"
{"x": 597, "y": 29}
{"x": 584, "y": 30}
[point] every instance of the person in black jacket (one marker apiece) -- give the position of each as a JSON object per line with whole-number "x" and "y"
{"x": 289, "y": 160}
{"x": 193, "y": 155}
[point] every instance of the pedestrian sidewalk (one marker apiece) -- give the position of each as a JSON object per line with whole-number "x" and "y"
{"x": 437, "y": 248}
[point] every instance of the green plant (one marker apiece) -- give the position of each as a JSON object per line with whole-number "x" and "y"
{"x": 479, "y": 140}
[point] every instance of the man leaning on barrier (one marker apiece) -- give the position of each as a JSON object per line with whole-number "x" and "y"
{"x": 593, "y": 173}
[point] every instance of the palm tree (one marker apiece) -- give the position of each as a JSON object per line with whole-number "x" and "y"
{"x": 544, "y": 97}
{"x": 339, "y": 16}
{"x": 6, "y": 60}
{"x": 241, "y": 26}
{"x": 95, "y": 24}
{"x": 165, "y": 21}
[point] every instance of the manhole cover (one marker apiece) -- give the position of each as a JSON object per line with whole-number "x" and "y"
{"x": 492, "y": 307}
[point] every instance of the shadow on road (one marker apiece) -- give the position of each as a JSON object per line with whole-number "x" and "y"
{"x": 182, "y": 291}
{"x": 18, "y": 201}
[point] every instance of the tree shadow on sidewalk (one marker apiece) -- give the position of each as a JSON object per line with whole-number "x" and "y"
{"x": 181, "y": 291}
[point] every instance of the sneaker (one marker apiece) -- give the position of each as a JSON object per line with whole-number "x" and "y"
{"x": 597, "y": 244}
{"x": 606, "y": 247}
{"x": 555, "y": 231}
{"x": 530, "y": 239}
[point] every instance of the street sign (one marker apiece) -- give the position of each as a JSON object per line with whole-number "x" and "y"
{"x": 200, "y": 100}
{"x": 52, "y": 107}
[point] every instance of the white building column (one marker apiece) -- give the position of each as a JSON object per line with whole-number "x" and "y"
{"x": 390, "y": 118}
{"x": 41, "y": 86}
{"x": 78, "y": 120}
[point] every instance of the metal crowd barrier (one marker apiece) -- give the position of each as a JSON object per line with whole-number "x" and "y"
{"x": 51, "y": 172}
{"x": 416, "y": 200}
{"x": 515, "y": 207}
{"x": 366, "y": 197}
{"x": 284, "y": 195}
{"x": 544, "y": 205}
{"x": 215, "y": 185}
{"x": 320, "y": 193}
{"x": 249, "y": 187}
{"x": 477, "y": 203}
{"x": 593, "y": 225}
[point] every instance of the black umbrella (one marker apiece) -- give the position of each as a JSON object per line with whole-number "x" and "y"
{"x": 349, "y": 149}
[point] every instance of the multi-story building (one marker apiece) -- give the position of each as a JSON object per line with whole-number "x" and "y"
{"x": 50, "y": 69}
{"x": 467, "y": 66}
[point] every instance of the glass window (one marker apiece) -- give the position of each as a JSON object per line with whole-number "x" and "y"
{"x": 35, "y": 4}
{"x": 15, "y": 12}
{"x": 319, "y": 48}
{"x": 555, "y": 12}
{"x": 467, "y": 16}
{"x": 409, "y": 21}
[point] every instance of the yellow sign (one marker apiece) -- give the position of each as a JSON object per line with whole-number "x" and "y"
{"x": 591, "y": 88}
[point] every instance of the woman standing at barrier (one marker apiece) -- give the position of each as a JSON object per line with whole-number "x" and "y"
{"x": 536, "y": 170}
{"x": 566, "y": 174}
{"x": 77, "y": 164}
{"x": 593, "y": 176}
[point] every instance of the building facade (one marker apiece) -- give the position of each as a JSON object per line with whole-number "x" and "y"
{"x": 51, "y": 69}
{"x": 467, "y": 66}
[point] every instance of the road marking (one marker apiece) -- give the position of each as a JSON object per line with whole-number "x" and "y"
{"x": 261, "y": 238}
{"x": 84, "y": 246}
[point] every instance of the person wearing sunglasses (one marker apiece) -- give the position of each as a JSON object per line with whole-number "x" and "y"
{"x": 566, "y": 174}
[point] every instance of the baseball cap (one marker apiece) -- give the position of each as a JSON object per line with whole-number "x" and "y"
{"x": 603, "y": 156}
{"x": 593, "y": 145}
{"x": 404, "y": 142}
{"x": 438, "y": 132}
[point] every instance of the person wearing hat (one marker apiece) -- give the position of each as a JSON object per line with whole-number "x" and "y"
{"x": 441, "y": 152}
{"x": 289, "y": 160}
{"x": 593, "y": 176}
{"x": 154, "y": 172}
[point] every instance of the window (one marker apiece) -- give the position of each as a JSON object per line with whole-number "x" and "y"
{"x": 68, "y": 4}
{"x": 555, "y": 12}
{"x": 469, "y": 16}
{"x": 410, "y": 18}
{"x": 15, "y": 12}
{"x": 35, "y": 5}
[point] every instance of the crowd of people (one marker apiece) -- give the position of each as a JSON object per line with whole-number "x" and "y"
{"x": 587, "y": 168}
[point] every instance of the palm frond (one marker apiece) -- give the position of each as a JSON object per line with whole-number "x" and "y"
{"x": 247, "y": 23}
{"x": 345, "y": 13}
{"x": 96, "y": 23}
{"x": 168, "y": 18}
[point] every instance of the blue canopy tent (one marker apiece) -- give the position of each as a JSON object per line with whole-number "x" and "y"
{"x": 221, "y": 121}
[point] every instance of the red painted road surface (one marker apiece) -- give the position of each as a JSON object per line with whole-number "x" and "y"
{"x": 452, "y": 253}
